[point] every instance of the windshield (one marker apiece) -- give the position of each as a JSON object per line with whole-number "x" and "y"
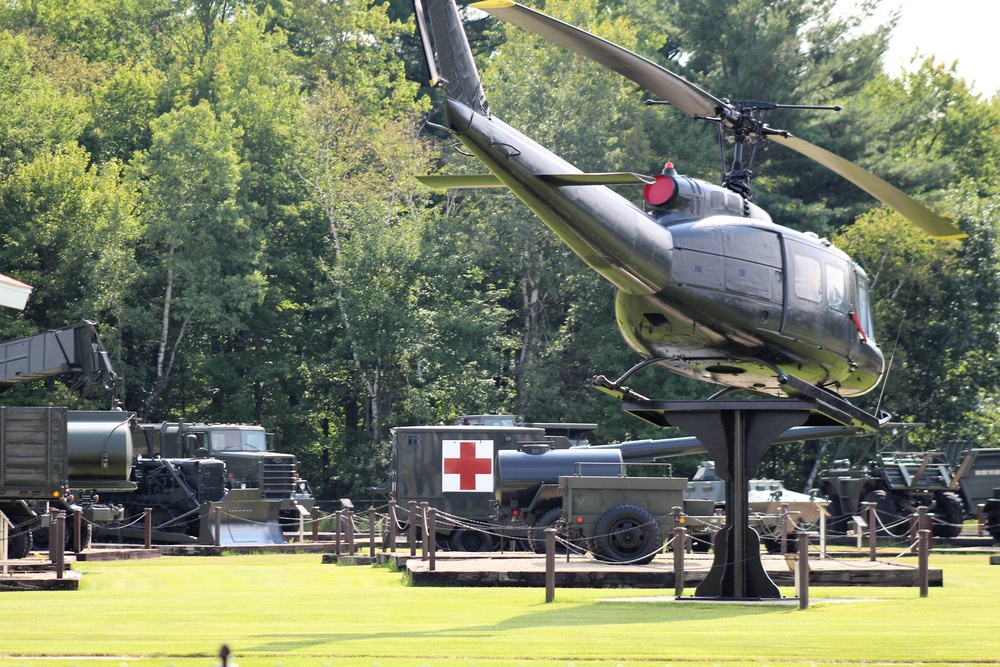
{"x": 238, "y": 440}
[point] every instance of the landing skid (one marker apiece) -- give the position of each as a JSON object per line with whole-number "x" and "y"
{"x": 830, "y": 409}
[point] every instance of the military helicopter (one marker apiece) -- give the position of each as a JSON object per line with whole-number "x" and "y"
{"x": 707, "y": 285}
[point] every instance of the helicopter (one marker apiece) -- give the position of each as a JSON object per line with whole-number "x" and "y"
{"x": 707, "y": 286}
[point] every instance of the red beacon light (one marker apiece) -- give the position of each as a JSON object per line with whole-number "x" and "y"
{"x": 662, "y": 192}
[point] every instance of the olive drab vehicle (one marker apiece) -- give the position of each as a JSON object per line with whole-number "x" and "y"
{"x": 950, "y": 484}
{"x": 248, "y": 452}
{"x": 506, "y": 483}
{"x": 69, "y": 459}
{"x": 707, "y": 285}
{"x": 452, "y": 469}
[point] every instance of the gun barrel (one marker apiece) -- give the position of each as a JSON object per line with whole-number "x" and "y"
{"x": 644, "y": 451}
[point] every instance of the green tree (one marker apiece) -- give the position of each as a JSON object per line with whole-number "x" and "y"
{"x": 72, "y": 235}
{"x": 204, "y": 276}
{"x": 40, "y": 108}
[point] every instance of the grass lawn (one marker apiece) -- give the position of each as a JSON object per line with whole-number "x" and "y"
{"x": 293, "y": 610}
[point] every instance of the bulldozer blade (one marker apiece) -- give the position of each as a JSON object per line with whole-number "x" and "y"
{"x": 243, "y": 519}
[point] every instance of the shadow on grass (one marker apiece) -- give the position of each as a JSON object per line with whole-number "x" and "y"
{"x": 539, "y": 617}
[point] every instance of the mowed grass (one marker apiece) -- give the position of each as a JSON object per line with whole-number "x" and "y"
{"x": 291, "y": 610}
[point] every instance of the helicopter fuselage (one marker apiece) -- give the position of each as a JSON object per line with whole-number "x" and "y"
{"x": 707, "y": 284}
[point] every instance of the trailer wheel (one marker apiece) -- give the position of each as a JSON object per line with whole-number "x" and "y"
{"x": 41, "y": 535}
{"x": 466, "y": 539}
{"x": 890, "y": 521}
{"x": 992, "y": 516}
{"x": 40, "y": 538}
{"x": 949, "y": 514}
{"x": 627, "y": 534}
{"x": 836, "y": 523}
{"x": 536, "y": 535}
{"x": 19, "y": 545}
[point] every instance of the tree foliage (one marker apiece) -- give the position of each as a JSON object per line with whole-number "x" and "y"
{"x": 228, "y": 189}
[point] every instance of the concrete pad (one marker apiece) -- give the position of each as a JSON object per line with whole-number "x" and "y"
{"x": 585, "y": 572}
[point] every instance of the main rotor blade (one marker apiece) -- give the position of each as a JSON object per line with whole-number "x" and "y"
{"x": 935, "y": 225}
{"x": 682, "y": 94}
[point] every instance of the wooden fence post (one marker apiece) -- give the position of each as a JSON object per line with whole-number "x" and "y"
{"x": 802, "y": 571}
{"x": 550, "y": 564}
{"x": 680, "y": 539}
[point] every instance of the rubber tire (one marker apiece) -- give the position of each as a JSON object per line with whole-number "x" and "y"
{"x": 467, "y": 539}
{"x": 86, "y": 535}
{"x": 949, "y": 515}
{"x": 627, "y": 534}
{"x": 887, "y": 513}
{"x": 41, "y": 535}
{"x": 992, "y": 517}
{"x": 19, "y": 545}
{"x": 40, "y": 538}
{"x": 836, "y": 523}
{"x": 536, "y": 534}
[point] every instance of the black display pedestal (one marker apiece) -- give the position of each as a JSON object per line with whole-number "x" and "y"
{"x": 735, "y": 433}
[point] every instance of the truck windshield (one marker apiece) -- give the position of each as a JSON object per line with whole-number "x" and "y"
{"x": 239, "y": 440}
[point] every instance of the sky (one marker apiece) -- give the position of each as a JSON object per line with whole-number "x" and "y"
{"x": 949, "y": 30}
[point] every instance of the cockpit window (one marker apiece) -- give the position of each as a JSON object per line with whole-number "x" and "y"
{"x": 836, "y": 287}
{"x": 864, "y": 308}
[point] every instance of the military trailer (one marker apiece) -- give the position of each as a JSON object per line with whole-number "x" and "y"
{"x": 622, "y": 519}
{"x": 33, "y": 469}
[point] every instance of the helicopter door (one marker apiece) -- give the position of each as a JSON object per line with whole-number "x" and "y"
{"x": 753, "y": 274}
{"x": 818, "y": 304}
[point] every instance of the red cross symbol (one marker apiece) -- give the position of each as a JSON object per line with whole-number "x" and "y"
{"x": 467, "y": 466}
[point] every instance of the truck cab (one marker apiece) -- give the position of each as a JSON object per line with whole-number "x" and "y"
{"x": 248, "y": 452}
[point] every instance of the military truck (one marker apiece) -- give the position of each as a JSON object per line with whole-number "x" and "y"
{"x": 898, "y": 483}
{"x": 451, "y": 468}
{"x": 951, "y": 483}
{"x": 33, "y": 468}
{"x": 248, "y": 452}
{"x": 978, "y": 470}
{"x": 84, "y": 459}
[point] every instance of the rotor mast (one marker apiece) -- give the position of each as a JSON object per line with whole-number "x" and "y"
{"x": 745, "y": 120}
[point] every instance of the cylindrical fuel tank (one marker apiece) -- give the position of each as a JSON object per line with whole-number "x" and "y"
{"x": 100, "y": 449}
{"x": 519, "y": 473}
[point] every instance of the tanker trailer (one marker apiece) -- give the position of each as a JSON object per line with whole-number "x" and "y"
{"x": 183, "y": 493}
{"x": 113, "y": 488}
{"x": 620, "y": 518}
